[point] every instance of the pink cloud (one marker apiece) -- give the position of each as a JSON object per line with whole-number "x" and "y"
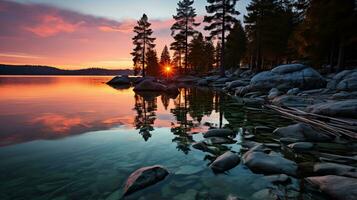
{"x": 51, "y": 25}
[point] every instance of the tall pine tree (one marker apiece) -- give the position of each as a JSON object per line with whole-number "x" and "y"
{"x": 183, "y": 28}
{"x": 222, "y": 18}
{"x": 142, "y": 42}
{"x": 165, "y": 57}
{"x": 236, "y": 46}
{"x": 153, "y": 68}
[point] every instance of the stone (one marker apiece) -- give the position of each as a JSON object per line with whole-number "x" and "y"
{"x": 218, "y": 133}
{"x": 120, "y": 80}
{"x": 335, "y": 169}
{"x": 202, "y": 82}
{"x": 293, "y": 91}
{"x": 347, "y": 109}
{"x": 344, "y": 81}
{"x": 295, "y": 101}
{"x": 287, "y": 140}
{"x": 289, "y": 76}
{"x": 225, "y": 162}
{"x": 235, "y": 84}
{"x": 266, "y": 194}
{"x": 149, "y": 85}
{"x": 218, "y": 140}
{"x": 144, "y": 177}
{"x": 273, "y": 93}
{"x": 302, "y": 132}
{"x": 337, "y": 187}
{"x": 262, "y": 163}
{"x": 278, "y": 178}
{"x": 301, "y": 146}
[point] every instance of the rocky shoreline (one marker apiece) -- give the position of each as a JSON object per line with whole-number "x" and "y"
{"x": 295, "y": 86}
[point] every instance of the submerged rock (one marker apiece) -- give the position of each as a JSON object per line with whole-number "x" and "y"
{"x": 347, "y": 108}
{"x": 225, "y": 162}
{"x": 218, "y": 133}
{"x": 289, "y": 76}
{"x": 302, "y": 132}
{"x": 218, "y": 140}
{"x": 120, "y": 80}
{"x": 144, "y": 177}
{"x": 150, "y": 85}
{"x": 335, "y": 169}
{"x": 260, "y": 162}
{"x": 337, "y": 187}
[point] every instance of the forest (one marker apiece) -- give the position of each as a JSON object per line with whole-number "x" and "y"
{"x": 320, "y": 33}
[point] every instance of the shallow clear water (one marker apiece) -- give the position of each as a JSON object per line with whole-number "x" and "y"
{"x": 78, "y": 138}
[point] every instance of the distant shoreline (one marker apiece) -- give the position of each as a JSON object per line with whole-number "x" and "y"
{"x": 31, "y": 70}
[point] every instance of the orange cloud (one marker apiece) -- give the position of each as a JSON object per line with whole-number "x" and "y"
{"x": 51, "y": 25}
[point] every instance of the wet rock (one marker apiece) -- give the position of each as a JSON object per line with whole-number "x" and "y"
{"x": 144, "y": 177}
{"x": 266, "y": 194}
{"x": 302, "y": 132}
{"x": 225, "y": 162}
{"x": 218, "y": 133}
{"x": 250, "y": 144}
{"x": 218, "y": 140}
{"x": 344, "y": 81}
{"x": 287, "y": 140}
{"x": 347, "y": 108}
{"x": 295, "y": 101}
{"x": 235, "y": 84}
{"x": 272, "y": 145}
{"x": 205, "y": 148}
{"x": 249, "y": 137}
{"x": 149, "y": 85}
{"x": 278, "y": 179}
{"x": 274, "y": 92}
{"x": 263, "y": 163}
{"x": 120, "y": 80}
{"x": 289, "y": 76}
{"x": 337, "y": 187}
{"x": 301, "y": 146}
{"x": 293, "y": 91}
{"x": 335, "y": 169}
{"x": 242, "y": 90}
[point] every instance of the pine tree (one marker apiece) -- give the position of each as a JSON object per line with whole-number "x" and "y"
{"x": 165, "y": 58}
{"x": 153, "y": 67}
{"x": 222, "y": 18}
{"x": 196, "y": 55}
{"x": 178, "y": 46}
{"x": 217, "y": 54}
{"x": 236, "y": 46}
{"x": 209, "y": 55}
{"x": 142, "y": 42}
{"x": 184, "y": 26}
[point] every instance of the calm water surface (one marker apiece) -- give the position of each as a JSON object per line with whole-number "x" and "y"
{"x": 78, "y": 138}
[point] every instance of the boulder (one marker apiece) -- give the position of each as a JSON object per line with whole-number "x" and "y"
{"x": 274, "y": 92}
{"x": 278, "y": 178}
{"x": 295, "y": 101}
{"x": 242, "y": 90}
{"x": 347, "y": 109}
{"x": 344, "y": 81}
{"x": 289, "y": 76}
{"x": 144, "y": 177}
{"x": 301, "y": 132}
{"x": 293, "y": 91}
{"x": 335, "y": 169}
{"x": 218, "y": 140}
{"x": 150, "y": 85}
{"x": 236, "y": 83}
{"x": 222, "y": 132}
{"x": 225, "y": 162}
{"x": 337, "y": 187}
{"x": 120, "y": 80}
{"x": 262, "y": 163}
{"x": 301, "y": 146}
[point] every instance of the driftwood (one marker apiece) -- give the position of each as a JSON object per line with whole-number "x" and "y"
{"x": 327, "y": 125}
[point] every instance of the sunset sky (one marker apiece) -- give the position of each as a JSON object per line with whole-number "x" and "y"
{"x": 74, "y": 34}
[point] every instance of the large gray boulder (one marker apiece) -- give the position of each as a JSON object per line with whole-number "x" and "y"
{"x": 302, "y": 132}
{"x": 150, "y": 85}
{"x": 337, "y": 187}
{"x": 225, "y": 162}
{"x": 285, "y": 77}
{"x": 344, "y": 81}
{"x": 347, "y": 108}
{"x": 335, "y": 169}
{"x": 144, "y": 177}
{"x": 218, "y": 133}
{"x": 120, "y": 80}
{"x": 262, "y": 163}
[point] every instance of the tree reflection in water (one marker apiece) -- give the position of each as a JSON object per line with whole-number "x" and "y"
{"x": 145, "y": 107}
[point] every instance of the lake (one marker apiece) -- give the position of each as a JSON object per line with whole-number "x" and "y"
{"x": 78, "y": 138}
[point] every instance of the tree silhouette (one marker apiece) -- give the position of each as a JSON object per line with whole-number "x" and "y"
{"x": 236, "y": 46}
{"x": 183, "y": 27}
{"x": 220, "y": 22}
{"x": 201, "y": 54}
{"x": 142, "y": 41}
{"x": 153, "y": 68}
{"x": 165, "y": 58}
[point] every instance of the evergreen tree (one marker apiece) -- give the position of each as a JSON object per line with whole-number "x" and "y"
{"x": 209, "y": 55}
{"x": 183, "y": 28}
{"x": 221, "y": 20}
{"x": 142, "y": 42}
{"x": 153, "y": 67}
{"x": 217, "y": 54}
{"x": 236, "y": 46}
{"x": 165, "y": 57}
{"x": 196, "y": 57}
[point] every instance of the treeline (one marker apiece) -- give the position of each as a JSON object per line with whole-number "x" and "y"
{"x": 46, "y": 70}
{"x": 322, "y": 33}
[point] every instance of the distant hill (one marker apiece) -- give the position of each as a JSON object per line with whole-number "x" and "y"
{"x": 46, "y": 70}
